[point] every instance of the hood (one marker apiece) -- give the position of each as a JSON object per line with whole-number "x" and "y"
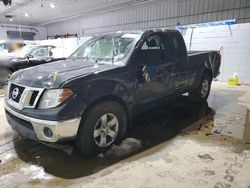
{"x": 10, "y": 56}
{"x": 17, "y": 60}
{"x": 4, "y": 57}
{"x": 52, "y": 75}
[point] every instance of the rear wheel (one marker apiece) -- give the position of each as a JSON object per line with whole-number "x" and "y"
{"x": 201, "y": 93}
{"x": 104, "y": 125}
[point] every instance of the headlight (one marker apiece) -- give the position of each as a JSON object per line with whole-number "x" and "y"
{"x": 53, "y": 97}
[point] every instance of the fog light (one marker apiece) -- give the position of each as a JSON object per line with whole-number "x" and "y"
{"x": 47, "y": 132}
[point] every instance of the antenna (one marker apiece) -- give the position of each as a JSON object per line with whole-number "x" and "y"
{"x": 42, "y": 5}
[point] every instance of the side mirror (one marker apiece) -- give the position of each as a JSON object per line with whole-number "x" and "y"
{"x": 29, "y": 56}
{"x": 48, "y": 59}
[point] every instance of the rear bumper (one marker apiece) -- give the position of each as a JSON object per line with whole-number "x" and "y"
{"x": 35, "y": 128}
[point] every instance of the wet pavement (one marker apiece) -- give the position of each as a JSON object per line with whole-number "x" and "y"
{"x": 220, "y": 122}
{"x": 160, "y": 125}
{"x": 1, "y": 91}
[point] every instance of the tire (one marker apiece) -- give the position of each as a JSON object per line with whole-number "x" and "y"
{"x": 4, "y": 76}
{"x": 201, "y": 93}
{"x": 104, "y": 120}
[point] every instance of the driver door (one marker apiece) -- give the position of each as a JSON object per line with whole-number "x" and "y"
{"x": 150, "y": 60}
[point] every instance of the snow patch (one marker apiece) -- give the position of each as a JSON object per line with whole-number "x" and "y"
{"x": 36, "y": 172}
{"x": 129, "y": 145}
{"x": 246, "y": 154}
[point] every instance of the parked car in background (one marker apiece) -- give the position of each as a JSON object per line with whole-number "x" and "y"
{"x": 11, "y": 46}
{"x": 93, "y": 95}
{"x": 29, "y": 56}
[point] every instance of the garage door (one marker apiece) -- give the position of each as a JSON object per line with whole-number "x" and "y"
{"x": 20, "y": 35}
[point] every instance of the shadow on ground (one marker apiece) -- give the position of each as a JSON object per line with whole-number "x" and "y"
{"x": 152, "y": 128}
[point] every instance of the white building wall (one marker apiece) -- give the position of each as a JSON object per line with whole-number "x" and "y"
{"x": 235, "y": 44}
{"x": 40, "y": 32}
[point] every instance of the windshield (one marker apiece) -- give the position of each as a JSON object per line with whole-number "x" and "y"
{"x": 108, "y": 49}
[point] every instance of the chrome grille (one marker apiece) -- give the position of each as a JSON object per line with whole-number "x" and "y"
{"x": 33, "y": 98}
{"x": 21, "y": 97}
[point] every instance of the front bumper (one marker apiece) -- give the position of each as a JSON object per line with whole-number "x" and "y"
{"x": 34, "y": 128}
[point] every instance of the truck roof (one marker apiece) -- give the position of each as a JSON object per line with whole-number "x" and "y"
{"x": 140, "y": 32}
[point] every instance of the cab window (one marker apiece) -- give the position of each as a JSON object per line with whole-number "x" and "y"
{"x": 152, "y": 50}
{"x": 178, "y": 46}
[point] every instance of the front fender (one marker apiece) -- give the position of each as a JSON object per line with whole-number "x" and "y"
{"x": 106, "y": 88}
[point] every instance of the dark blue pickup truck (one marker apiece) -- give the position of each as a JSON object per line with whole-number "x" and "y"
{"x": 92, "y": 96}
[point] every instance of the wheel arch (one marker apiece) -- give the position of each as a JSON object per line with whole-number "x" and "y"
{"x": 199, "y": 76}
{"x": 109, "y": 98}
{"x": 209, "y": 72}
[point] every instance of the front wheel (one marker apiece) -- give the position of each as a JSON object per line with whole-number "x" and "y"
{"x": 201, "y": 93}
{"x": 105, "y": 124}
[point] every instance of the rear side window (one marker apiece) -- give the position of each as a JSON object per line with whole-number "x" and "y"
{"x": 178, "y": 45}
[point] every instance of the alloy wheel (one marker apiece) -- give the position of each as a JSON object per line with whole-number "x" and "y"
{"x": 204, "y": 88}
{"x": 106, "y": 130}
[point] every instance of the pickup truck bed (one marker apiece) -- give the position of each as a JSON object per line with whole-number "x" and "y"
{"x": 213, "y": 57}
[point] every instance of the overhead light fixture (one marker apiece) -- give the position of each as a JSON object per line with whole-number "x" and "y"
{"x": 9, "y": 17}
{"x": 26, "y": 15}
{"x": 52, "y": 5}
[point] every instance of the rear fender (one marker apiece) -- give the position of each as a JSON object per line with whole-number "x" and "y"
{"x": 206, "y": 67}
